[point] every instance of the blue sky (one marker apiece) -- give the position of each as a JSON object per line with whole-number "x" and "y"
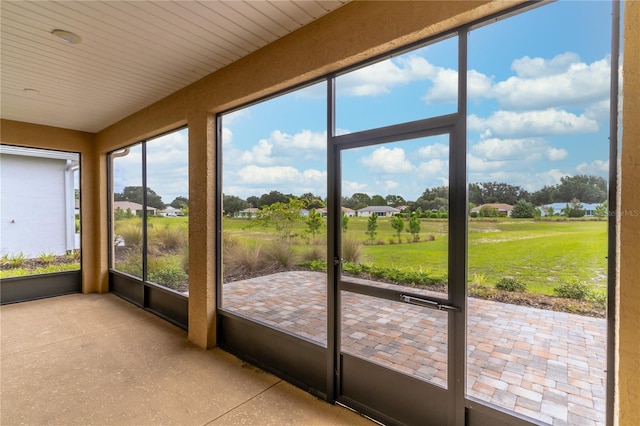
{"x": 538, "y": 91}
{"x": 538, "y": 110}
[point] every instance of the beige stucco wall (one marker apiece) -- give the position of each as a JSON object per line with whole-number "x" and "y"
{"x": 35, "y": 136}
{"x": 629, "y": 226}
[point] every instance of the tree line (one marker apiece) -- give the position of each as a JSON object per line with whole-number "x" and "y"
{"x": 584, "y": 188}
{"x": 134, "y": 195}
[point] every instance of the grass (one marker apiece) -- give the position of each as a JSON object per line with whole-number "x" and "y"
{"x": 540, "y": 254}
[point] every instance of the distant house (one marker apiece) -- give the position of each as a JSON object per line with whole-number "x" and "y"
{"x": 504, "y": 210}
{"x": 170, "y": 211}
{"x": 589, "y": 208}
{"x": 347, "y": 211}
{"x": 38, "y": 207}
{"x": 135, "y": 207}
{"x": 249, "y": 213}
{"x": 380, "y": 211}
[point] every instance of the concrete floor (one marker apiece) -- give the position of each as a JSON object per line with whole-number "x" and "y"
{"x": 96, "y": 359}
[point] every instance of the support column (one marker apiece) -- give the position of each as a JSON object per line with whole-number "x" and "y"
{"x": 628, "y": 350}
{"x": 202, "y": 232}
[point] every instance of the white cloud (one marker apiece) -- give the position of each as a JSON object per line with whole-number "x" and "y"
{"x": 527, "y": 67}
{"x": 559, "y": 82}
{"x": 445, "y": 87}
{"x": 349, "y": 188}
{"x": 378, "y": 79}
{"x": 434, "y": 168}
{"x": 227, "y": 136}
{"x": 555, "y": 154}
{"x": 437, "y": 150}
{"x": 596, "y": 167}
{"x": 388, "y": 161}
{"x": 306, "y": 139}
{"x": 260, "y": 153}
{"x": 477, "y": 164}
{"x": 532, "y": 123}
{"x": 281, "y": 175}
{"x": 510, "y": 149}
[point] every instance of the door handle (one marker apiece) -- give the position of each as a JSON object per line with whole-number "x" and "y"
{"x": 426, "y": 303}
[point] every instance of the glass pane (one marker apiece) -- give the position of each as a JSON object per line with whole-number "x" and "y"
{"x": 274, "y": 226}
{"x": 168, "y": 206}
{"x": 127, "y": 210}
{"x": 395, "y": 204}
{"x": 537, "y": 243}
{"x": 40, "y": 205}
{"x": 419, "y": 84}
{"x": 406, "y": 338}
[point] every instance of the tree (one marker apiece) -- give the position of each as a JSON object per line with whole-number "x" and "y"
{"x": 345, "y": 222}
{"x": 496, "y": 192}
{"x": 253, "y": 201}
{"x": 312, "y": 201}
{"x": 601, "y": 210}
{"x": 314, "y": 223}
{"x": 574, "y": 209}
{"x": 414, "y": 226}
{"x": 272, "y": 198}
{"x": 397, "y": 223}
{"x": 372, "y": 227}
{"x": 587, "y": 189}
{"x": 134, "y": 195}
{"x": 180, "y": 202}
{"x": 546, "y": 195}
{"x": 378, "y": 200}
{"x": 523, "y": 209}
{"x": 232, "y": 204}
{"x": 283, "y": 216}
{"x": 360, "y": 197}
{"x": 395, "y": 200}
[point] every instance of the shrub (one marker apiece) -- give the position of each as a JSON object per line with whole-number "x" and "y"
{"x": 46, "y": 258}
{"x": 314, "y": 253}
{"x": 523, "y": 209}
{"x": 131, "y": 234}
{"x": 131, "y": 263}
{"x": 351, "y": 250}
{"x": 243, "y": 259}
{"x": 511, "y": 284}
{"x": 281, "y": 254}
{"x": 16, "y": 260}
{"x": 169, "y": 276}
{"x": 172, "y": 237}
{"x": 573, "y": 289}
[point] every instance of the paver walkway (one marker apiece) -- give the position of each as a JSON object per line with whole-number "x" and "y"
{"x": 543, "y": 364}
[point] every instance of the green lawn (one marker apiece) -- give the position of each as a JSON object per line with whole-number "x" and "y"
{"x": 538, "y": 253}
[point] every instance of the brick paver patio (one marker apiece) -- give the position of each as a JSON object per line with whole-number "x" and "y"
{"x": 543, "y": 364}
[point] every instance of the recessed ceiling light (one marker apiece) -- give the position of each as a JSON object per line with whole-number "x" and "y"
{"x": 67, "y": 36}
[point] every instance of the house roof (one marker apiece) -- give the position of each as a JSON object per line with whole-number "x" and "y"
{"x": 124, "y": 205}
{"x": 385, "y": 209}
{"x": 501, "y": 207}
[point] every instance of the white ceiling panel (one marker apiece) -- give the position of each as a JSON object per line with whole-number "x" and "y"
{"x": 132, "y": 54}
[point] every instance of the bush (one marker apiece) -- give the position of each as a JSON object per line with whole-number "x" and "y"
{"x": 511, "y": 284}
{"x": 15, "y": 260}
{"x": 243, "y": 259}
{"x": 574, "y": 289}
{"x": 351, "y": 250}
{"x": 314, "y": 253}
{"x": 131, "y": 263}
{"x": 523, "y": 209}
{"x": 281, "y": 254}
{"x": 169, "y": 276}
{"x": 131, "y": 234}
